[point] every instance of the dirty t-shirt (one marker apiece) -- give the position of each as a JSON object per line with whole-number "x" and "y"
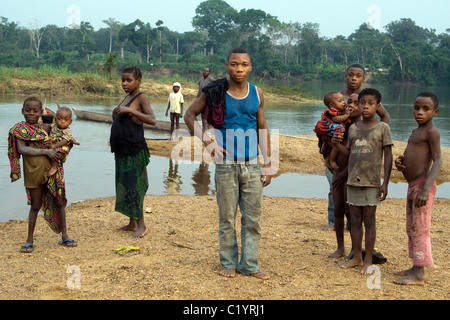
{"x": 366, "y": 154}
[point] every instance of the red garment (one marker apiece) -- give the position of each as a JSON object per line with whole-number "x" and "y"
{"x": 331, "y": 112}
{"x": 418, "y": 223}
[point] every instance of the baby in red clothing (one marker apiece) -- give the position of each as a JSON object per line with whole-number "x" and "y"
{"x": 332, "y": 120}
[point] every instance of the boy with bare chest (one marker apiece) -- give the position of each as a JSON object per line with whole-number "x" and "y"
{"x": 420, "y": 166}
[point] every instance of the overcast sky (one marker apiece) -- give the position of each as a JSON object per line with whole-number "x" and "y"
{"x": 335, "y": 17}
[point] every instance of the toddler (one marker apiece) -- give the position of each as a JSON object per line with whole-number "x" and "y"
{"x": 332, "y": 120}
{"x": 61, "y": 138}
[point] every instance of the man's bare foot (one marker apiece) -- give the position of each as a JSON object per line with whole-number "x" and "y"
{"x": 413, "y": 276}
{"x": 228, "y": 273}
{"x": 352, "y": 263}
{"x": 261, "y": 275}
{"x": 337, "y": 254}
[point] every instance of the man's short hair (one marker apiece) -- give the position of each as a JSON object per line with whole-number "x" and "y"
{"x": 356, "y": 66}
{"x": 238, "y": 50}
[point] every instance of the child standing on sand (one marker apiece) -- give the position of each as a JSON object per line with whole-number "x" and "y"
{"x": 175, "y": 105}
{"x": 420, "y": 166}
{"x": 132, "y": 155}
{"x": 29, "y": 139}
{"x": 368, "y": 141}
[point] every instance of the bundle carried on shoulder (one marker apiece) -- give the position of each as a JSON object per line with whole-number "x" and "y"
{"x": 216, "y": 102}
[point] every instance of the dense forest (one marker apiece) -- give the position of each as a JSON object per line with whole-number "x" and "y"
{"x": 405, "y": 52}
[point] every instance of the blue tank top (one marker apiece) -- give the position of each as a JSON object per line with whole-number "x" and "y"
{"x": 238, "y": 134}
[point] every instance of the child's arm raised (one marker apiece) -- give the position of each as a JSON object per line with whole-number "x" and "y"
{"x": 340, "y": 119}
{"x": 23, "y": 149}
{"x": 434, "y": 141}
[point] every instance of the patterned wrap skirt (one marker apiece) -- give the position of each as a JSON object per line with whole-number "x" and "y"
{"x": 131, "y": 183}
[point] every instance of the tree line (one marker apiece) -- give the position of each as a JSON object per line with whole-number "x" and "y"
{"x": 404, "y": 52}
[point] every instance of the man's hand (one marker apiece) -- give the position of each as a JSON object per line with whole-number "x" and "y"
{"x": 266, "y": 174}
{"x": 217, "y": 153}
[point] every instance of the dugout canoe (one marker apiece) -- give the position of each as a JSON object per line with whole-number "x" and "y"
{"x": 162, "y": 126}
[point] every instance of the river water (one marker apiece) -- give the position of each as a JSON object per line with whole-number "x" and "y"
{"x": 90, "y": 167}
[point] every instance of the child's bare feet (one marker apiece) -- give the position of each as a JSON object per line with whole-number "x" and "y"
{"x": 365, "y": 268}
{"x": 352, "y": 263}
{"x": 228, "y": 273}
{"x": 140, "y": 232}
{"x": 410, "y": 280}
{"x": 337, "y": 254}
{"x": 413, "y": 276}
{"x": 132, "y": 226}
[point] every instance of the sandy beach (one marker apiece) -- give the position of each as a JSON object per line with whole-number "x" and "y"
{"x": 178, "y": 257}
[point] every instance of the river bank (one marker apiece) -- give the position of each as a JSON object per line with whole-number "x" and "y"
{"x": 87, "y": 85}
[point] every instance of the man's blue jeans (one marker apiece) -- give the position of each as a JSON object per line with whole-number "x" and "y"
{"x": 239, "y": 184}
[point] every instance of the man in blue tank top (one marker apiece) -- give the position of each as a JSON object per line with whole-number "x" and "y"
{"x": 239, "y": 177}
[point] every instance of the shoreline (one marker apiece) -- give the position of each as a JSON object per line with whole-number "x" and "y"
{"x": 299, "y": 154}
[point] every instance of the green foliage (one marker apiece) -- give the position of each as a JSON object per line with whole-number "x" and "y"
{"x": 109, "y": 63}
{"x": 405, "y": 51}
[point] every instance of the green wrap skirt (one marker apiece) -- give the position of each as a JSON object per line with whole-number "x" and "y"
{"x": 131, "y": 183}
